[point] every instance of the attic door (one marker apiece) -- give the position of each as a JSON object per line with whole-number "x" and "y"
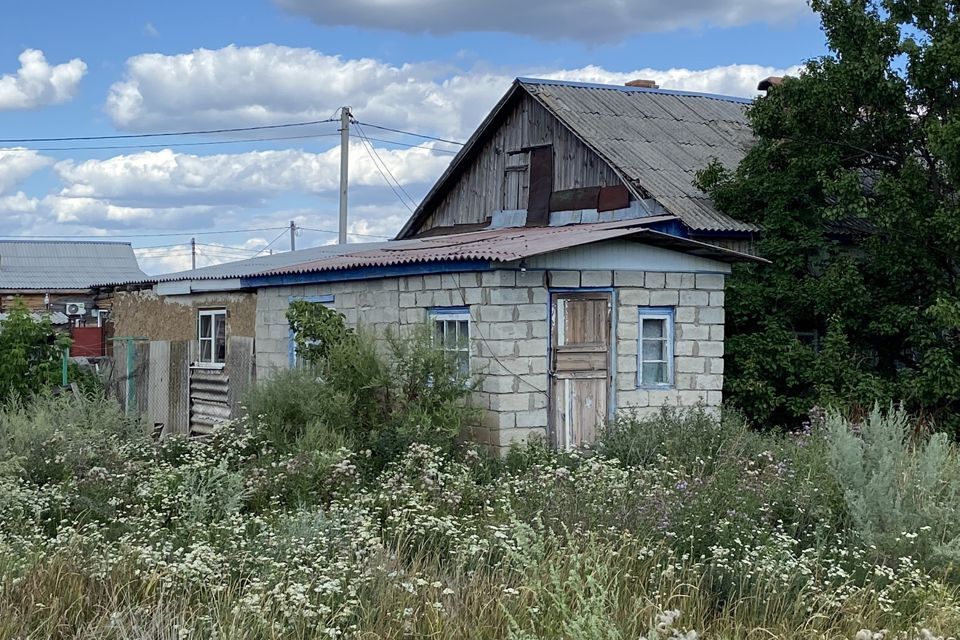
{"x": 580, "y": 366}
{"x": 516, "y": 182}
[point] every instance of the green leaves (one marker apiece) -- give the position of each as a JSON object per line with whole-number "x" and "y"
{"x": 31, "y": 353}
{"x": 853, "y": 179}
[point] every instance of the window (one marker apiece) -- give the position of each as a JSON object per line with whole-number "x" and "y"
{"x": 212, "y": 335}
{"x": 452, "y": 328}
{"x": 294, "y": 358}
{"x": 655, "y": 366}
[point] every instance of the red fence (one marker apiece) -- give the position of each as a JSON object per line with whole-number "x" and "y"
{"x": 87, "y": 341}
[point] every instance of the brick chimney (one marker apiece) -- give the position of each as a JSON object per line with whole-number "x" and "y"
{"x": 643, "y": 84}
{"x": 769, "y": 83}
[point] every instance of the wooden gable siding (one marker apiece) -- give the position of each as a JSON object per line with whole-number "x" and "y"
{"x": 480, "y": 188}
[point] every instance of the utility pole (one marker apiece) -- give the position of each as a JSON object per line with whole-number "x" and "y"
{"x": 293, "y": 236}
{"x": 344, "y": 166}
{"x": 193, "y": 253}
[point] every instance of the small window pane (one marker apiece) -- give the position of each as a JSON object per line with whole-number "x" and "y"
{"x": 654, "y": 372}
{"x": 653, "y": 328}
{"x": 205, "y": 351}
{"x": 205, "y": 326}
{"x": 654, "y": 350}
{"x": 220, "y": 337}
{"x": 463, "y": 335}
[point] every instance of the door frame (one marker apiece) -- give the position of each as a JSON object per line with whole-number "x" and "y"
{"x": 612, "y": 353}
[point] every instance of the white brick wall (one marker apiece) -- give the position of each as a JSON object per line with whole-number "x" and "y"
{"x": 510, "y": 333}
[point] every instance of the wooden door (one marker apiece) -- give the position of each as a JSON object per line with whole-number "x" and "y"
{"x": 579, "y": 366}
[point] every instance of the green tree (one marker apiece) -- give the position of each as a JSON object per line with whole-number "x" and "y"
{"x": 31, "y": 353}
{"x": 853, "y": 178}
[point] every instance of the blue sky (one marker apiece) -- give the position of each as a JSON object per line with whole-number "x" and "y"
{"x": 109, "y": 67}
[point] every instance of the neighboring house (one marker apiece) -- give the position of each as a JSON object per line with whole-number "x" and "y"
{"x": 57, "y": 278}
{"x": 564, "y": 258}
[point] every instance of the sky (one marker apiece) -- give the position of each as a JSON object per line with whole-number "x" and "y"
{"x": 432, "y": 67}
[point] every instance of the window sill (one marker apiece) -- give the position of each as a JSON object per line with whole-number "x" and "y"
{"x": 656, "y": 387}
{"x": 215, "y": 366}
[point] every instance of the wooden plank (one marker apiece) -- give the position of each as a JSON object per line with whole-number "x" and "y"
{"x": 612, "y": 198}
{"x": 158, "y": 394}
{"x": 574, "y": 199}
{"x": 541, "y": 186}
{"x": 179, "y": 399}
{"x": 241, "y": 368}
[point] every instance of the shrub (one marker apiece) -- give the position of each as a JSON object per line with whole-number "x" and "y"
{"x": 901, "y": 488}
{"x": 31, "y": 353}
{"x": 369, "y": 394}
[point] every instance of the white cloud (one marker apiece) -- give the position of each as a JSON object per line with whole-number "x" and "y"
{"x": 731, "y": 80}
{"x": 36, "y": 83}
{"x": 17, "y": 164}
{"x": 165, "y": 187}
{"x": 598, "y": 21}
{"x": 269, "y": 84}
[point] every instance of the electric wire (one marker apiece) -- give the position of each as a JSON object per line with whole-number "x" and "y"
{"x": 408, "y": 133}
{"x": 167, "y": 145}
{"x": 132, "y": 136}
{"x": 375, "y": 157}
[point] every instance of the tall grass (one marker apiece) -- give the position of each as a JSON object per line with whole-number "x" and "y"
{"x": 674, "y": 527}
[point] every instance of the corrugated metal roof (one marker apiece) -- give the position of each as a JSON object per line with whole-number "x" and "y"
{"x": 495, "y": 245}
{"x": 504, "y": 245}
{"x": 56, "y": 317}
{"x": 31, "y": 265}
{"x": 657, "y": 139}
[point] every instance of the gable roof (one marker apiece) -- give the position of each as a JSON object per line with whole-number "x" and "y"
{"x": 655, "y": 139}
{"x": 37, "y": 265}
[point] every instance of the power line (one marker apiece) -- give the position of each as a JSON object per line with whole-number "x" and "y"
{"x": 196, "y": 132}
{"x": 142, "y": 235}
{"x": 172, "y": 144}
{"x": 359, "y": 235}
{"x": 267, "y": 246}
{"x": 413, "y": 146}
{"x": 372, "y": 152}
{"x": 408, "y": 133}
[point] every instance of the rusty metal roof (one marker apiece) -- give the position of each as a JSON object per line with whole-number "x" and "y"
{"x": 505, "y": 245}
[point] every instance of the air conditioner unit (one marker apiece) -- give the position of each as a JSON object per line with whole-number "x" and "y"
{"x": 76, "y": 309}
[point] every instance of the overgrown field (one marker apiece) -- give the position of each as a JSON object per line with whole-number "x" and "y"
{"x": 673, "y": 528}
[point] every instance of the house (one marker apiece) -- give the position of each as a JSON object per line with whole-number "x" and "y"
{"x": 56, "y": 278}
{"x": 564, "y": 256}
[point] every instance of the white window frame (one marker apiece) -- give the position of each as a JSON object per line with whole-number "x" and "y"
{"x": 666, "y": 315}
{"x": 212, "y": 363}
{"x": 454, "y": 314}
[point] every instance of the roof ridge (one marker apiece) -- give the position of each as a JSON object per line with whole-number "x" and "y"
{"x": 626, "y": 89}
{"x": 48, "y": 241}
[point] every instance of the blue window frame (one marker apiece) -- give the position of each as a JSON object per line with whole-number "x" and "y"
{"x": 451, "y": 326}
{"x": 326, "y": 300}
{"x": 655, "y": 348}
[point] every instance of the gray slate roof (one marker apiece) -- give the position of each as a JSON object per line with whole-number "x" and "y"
{"x": 657, "y": 139}
{"x": 31, "y": 265}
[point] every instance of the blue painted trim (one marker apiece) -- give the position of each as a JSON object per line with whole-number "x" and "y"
{"x": 448, "y": 311}
{"x": 670, "y": 227}
{"x": 657, "y": 312}
{"x": 291, "y": 345}
{"x": 366, "y": 273}
{"x": 626, "y": 89}
{"x": 579, "y": 289}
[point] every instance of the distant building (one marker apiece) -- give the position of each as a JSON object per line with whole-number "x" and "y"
{"x": 56, "y": 278}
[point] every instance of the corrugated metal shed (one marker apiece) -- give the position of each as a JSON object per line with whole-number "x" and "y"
{"x": 657, "y": 139}
{"x": 31, "y": 265}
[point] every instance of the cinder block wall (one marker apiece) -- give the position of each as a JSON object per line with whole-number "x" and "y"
{"x": 510, "y": 333}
